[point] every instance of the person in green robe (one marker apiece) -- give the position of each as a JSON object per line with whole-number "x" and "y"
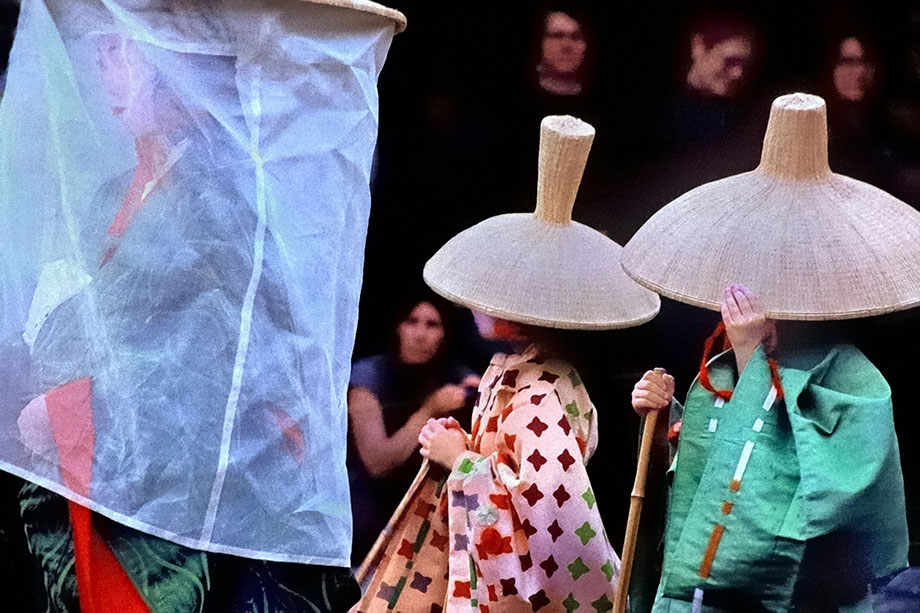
{"x": 787, "y": 492}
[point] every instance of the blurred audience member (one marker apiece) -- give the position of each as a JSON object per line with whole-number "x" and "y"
{"x": 562, "y": 55}
{"x": 556, "y": 78}
{"x": 851, "y": 84}
{"x": 706, "y": 132}
{"x": 720, "y": 55}
{"x": 704, "y": 129}
{"x": 854, "y": 70}
{"x": 722, "y": 49}
{"x": 561, "y": 58}
{"x": 390, "y": 398}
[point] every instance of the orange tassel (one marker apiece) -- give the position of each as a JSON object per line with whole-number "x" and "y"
{"x": 704, "y": 368}
{"x": 726, "y": 395}
{"x": 774, "y": 378}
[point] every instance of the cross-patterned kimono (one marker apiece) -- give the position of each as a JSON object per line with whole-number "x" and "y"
{"x": 514, "y": 526}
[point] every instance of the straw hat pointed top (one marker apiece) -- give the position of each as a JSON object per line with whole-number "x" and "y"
{"x": 542, "y": 268}
{"x": 814, "y": 245}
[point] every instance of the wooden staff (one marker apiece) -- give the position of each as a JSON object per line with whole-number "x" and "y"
{"x": 635, "y": 510}
{"x": 372, "y": 559}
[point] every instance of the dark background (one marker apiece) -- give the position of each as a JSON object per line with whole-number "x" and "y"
{"x": 458, "y": 127}
{"x": 458, "y": 140}
{"x": 459, "y": 117}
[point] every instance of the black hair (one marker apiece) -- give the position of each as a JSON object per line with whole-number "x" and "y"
{"x": 446, "y": 311}
{"x": 716, "y": 27}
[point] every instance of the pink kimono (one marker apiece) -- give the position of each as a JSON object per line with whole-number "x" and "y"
{"x": 514, "y": 527}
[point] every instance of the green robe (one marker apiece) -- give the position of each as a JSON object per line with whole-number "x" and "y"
{"x": 785, "y": 496}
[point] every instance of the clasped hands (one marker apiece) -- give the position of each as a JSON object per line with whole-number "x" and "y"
{"x": 443, "y": 440}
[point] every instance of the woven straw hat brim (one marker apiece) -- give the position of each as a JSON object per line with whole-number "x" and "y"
{"x": 813, "y": 245}
{"x": 98, "y": 19}
{"x": 366, "y": 6}
{"x": 835, "y": 248}
{"x": 523, "y": 269}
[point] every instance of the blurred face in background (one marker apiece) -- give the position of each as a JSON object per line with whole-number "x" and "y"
{"x": 420, "y": 334}
{"x": 720, "y": 69}
{"x": 853, "y": 73}
{"x": 563, "y": 47}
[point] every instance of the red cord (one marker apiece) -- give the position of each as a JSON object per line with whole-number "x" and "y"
{"x": 704, "y": 369}
{"x": 774, "y": 378}
{"x": 727, "y": 394}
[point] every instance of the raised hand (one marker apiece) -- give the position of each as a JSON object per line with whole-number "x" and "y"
{"x": 445, "y": 399}
{"x": 745, "y": 323}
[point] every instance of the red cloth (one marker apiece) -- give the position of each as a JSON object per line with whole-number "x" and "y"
{"x": 102, "y": 583}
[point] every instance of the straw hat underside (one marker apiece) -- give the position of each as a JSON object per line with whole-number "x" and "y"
{"x": 834, "y": 248}
{"x": 520, "y": 268}
{"x": 366, "y": 6}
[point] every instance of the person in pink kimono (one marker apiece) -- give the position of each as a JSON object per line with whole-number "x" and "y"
{"x": 520, "y": 501}
{"x": 505, "y": 518}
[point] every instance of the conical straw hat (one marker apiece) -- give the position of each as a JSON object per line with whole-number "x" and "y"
{"x": 542, "y": 268}
{"x": 812, "y": 244}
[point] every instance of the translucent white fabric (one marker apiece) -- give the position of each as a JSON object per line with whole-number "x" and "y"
{"x": 183, "y": 205}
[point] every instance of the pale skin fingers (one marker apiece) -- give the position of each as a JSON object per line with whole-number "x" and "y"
{"x": 741, "y": 309}
{"x": 431, "y": 430}
{"x": 667, "y": 380}
{"x": 747, "y": 303}
{"x": 645, "y": 405}
{"x": 751, "y": 314}
{"x": 471, "y": 381}
{"x": 745, "y": 309}
{"x": 452, "y": 398}
{"x": 654, "y": 391}
{"x": 731, "y": 306}
{"x": 449, "y": 423}
{"x": 445, "y": 446}
{"x": 757, "y": 317}
{"x": 745, "y": 322}
{"x": 652, "y": 394}
{"x": 657, "y": 380}
{"x": 752, "y": 299}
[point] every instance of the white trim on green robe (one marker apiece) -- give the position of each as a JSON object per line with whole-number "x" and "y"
{"x": 820, "y": 464}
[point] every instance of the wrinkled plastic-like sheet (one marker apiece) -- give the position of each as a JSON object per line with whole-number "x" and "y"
{"x": 183, "y": 205}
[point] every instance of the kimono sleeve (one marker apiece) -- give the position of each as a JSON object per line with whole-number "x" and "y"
{"x": 523, "y": 519}
{"x": 845, "y": 441}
